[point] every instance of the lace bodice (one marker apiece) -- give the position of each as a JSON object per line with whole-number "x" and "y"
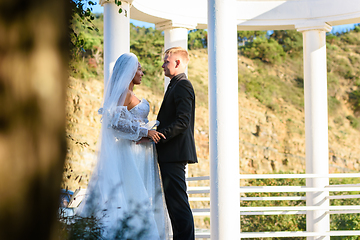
{"x": 131, "y": 124}
{"x": 141, "y": 111}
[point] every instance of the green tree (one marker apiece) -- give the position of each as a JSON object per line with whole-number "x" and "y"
{"x": 81, "y": 16}
{"x": 331, "y": 38}
{"x": 357, "y": 28}
{"x": 197, "y": 38}
{"x": 267, "y": 50}
{"x": 86, "y": 45}
{"x": 148, "y": 44}
{"x": 290, "y": 40}
{"x": 246, "y": 36}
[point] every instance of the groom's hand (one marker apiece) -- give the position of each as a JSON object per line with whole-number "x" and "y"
{"x": 155, "y": 135}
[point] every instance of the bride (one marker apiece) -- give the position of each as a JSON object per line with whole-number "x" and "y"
{"x": 124, "y": 191}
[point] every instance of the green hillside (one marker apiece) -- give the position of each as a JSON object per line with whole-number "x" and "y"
{"x": 271, "y": 105}
{"x": 270, "y": 83}
{"x": 276, "y": 63}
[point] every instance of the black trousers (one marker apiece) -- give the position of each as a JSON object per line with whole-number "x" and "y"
{"x": 182, "y": 221}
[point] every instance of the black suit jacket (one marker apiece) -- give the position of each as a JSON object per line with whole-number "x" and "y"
{"x": 176, "y": 117}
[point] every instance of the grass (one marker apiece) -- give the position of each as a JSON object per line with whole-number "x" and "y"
{"x": 354, "y": 122}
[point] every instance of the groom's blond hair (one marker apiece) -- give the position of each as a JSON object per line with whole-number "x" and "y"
{"x": 181, "y": 52}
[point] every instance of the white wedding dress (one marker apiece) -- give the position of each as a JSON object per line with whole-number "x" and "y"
{"x": 125, "y": 189}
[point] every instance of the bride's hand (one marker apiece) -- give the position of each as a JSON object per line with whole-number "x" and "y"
{"x": 143, "y": 140}
{"x": 155, "y": 135}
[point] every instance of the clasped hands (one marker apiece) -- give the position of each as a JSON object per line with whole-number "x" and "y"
{"x": 153, "y": 135}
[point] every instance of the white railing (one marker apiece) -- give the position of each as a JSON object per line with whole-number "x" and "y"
{"x": 283, "y": 209}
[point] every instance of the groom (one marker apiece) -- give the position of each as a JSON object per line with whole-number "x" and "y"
{"x": 176, "y": 116}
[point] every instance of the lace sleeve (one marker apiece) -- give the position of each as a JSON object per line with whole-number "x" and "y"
{"x": 125, "y": 126}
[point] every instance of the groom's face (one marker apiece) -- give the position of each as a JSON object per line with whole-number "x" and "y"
{"x": 170, "y": 65}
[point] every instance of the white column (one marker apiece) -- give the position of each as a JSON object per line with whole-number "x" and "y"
{"x": 316, "y": 125}
{"x": 175, "y": 35}
{"x": 224, "y": 120}
{"x": 116, "y": 34}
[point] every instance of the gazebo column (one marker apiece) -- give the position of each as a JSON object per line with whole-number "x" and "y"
{"x": 316, "y": 124}
{"x": 223, "y": 120}
{"x": 116, "y": 33}
{"x": 175, "y": 35}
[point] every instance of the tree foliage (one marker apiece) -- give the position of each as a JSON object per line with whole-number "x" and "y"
{"x": 272, "y": 49}
{"x": 246, "y": 36}
{"x": 81, "y": 16}
{"x": 290, "y": 40}
{"x": 148, "y": 45}
{"x": 267, "y": 50}
{"x": 197, "y": 39}
{"x": 281, "y": 47}
{"x": 354, "y": 99}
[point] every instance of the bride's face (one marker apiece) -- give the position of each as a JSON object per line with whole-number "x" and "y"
{"x": 138, "y": 75}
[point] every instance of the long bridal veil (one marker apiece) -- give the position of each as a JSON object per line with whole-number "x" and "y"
{"x": 125, "y": 189}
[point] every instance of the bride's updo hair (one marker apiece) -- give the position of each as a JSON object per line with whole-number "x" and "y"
{"x": 123, "y": 73}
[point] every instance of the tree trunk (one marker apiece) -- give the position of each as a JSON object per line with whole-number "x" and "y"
{"x": 33, "y": 75}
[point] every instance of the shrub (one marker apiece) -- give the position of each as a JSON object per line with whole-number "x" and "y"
{"x": 267, "y": 88}
{"x": 345, "y": 221}
{"x": 332, "y": 84}
{"x": 81, "y": 69}
{"x": 350, "y": 38}
{"x": 76, "y": 228}
{"x": 357, "y": 28}
{"x": 197, "y": 38}
{"x": 331, "y": 47}
{"x": 354, "y": 99}
{"x": 333, "y": 104}
{"x": 147, "y": 44}
{"x": 92, "y": 227}
{"x": 339, "y": 120}
{"x": 354, "y": 122}
{"x": 259, "y": 223}
{"x": 290, "y": 40}
{"x": 263, "y": 89}
{"x": 357, "y": 81}
{"x": 267, "y": 50}
{"x": 343, "y": 67}
{"x": 354, "y": 59}
{"x": 331, "y": 39}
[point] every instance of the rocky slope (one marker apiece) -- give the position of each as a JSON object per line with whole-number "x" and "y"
{"x": 270, "y": 140}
